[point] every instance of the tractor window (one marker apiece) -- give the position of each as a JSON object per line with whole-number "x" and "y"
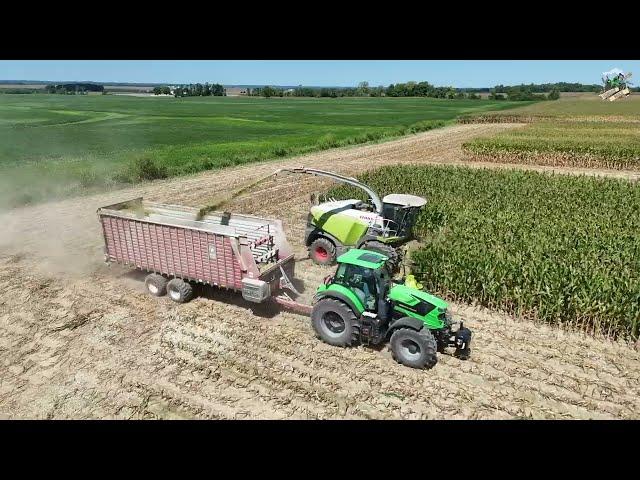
{"x": 361, "y": 281}
{"x": 339, "y": 277}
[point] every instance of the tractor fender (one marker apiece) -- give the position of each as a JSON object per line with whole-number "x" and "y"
{"x": 338, "y": 296}
{"x": 407, "y": 322}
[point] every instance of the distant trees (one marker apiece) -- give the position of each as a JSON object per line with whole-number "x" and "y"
{"x": 363, "y": 89}
{"x": 554, "y": 94}
{"x": 164, "y": 90}
{"x": 493, "y": 95}
{"x": 271, "y": 92}
{"x": 548, "y": 87}
{"x": 266, "y": 92}
{"x": 196, "y": 90}
{"x": 523, "y": 93}
{"x": 421, "y": 89}
{"x": 409, "y": 89}
{"x": 549, "y": 91}
{"x": 376, "y": 91}
{"x": 217, "y": 90}
{"x": 74, "y": 88}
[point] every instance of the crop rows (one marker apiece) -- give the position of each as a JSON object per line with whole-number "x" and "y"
{"x": 560, "y": 249}
{"x": 613, "y": 145}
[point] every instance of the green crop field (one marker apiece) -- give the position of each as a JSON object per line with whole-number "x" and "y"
{"x": 60, "y": 145}
{"x": 582, "y": 131}
{"x": 557, "y": 248}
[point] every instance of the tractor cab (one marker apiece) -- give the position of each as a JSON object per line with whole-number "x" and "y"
{"x": 364, "y": 273}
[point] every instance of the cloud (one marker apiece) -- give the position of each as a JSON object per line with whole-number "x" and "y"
{"x": 612, "y": 73}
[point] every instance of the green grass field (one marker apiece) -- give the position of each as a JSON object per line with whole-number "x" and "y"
{"x": 582, "y": 131}
{"x": 56, "y": 145}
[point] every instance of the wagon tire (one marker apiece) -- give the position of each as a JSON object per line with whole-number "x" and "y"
{"x": 156, "y": 284}
{"x": 179, "y": 291}
{"x": 322, "y": 251}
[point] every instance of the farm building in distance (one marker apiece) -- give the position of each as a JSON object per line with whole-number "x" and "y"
{"x": 235, "y": 91}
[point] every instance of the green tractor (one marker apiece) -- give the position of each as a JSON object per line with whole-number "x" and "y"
{"x": 336, "y": 226}
{"x": 361, "y": 303}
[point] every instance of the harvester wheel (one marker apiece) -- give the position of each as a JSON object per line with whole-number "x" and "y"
{"x": 387, "y": 250}
{"x": 156, "y": 284}
{"x": 414, "y": 349}
{"x": 322, "y": 251}
{"x": 179, "y": 290}
{"x": 335, "y": 323}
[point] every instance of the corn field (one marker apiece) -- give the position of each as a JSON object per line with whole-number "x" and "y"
{"x": 614, "y": 145}
{"x": 560, "y": 249}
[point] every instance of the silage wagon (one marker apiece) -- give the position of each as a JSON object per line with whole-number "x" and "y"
{"x": 180, "y": 248}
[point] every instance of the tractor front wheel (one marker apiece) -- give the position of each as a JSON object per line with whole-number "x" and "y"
{"x": 414, "y": 349}
{"x": 322, "y": 251}
{"x": 335, "y": 323}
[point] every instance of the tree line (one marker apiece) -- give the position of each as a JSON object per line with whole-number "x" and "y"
{"x": 192, "y": 90}
{"x": 548, "y": 87}
{"x": 409, "y": 89}
{"x": 74, "y": 88}
{"x": 522, "y": 93}
{"x": 418, "y": 89}
{"x": 543, "y": 91}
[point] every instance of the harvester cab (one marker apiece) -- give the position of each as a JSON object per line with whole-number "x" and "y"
{"x": 361, "y": 303}
{"x": 336, "y": 226}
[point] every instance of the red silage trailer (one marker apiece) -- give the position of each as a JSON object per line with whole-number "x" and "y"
{"x": 239, "y": 252}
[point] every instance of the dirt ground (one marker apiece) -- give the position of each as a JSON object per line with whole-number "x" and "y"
{"x": 79, "y": 339}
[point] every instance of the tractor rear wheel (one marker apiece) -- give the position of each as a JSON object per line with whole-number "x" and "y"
{"x": 386, "y": 250}
{"x": 179, "y": 291}
{"x": 156, "y": 284}
{"x": 335, "y": 323}
{"x": 414, "y": 349}
{"x": 322, "y": 251}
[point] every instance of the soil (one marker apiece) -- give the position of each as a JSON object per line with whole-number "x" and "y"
{"x": 79, "y": 339}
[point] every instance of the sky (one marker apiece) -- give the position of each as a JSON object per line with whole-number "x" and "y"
{"x": 457, "y": 73}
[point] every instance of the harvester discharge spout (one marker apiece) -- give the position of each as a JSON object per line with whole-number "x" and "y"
{"x": 341, "y": 178}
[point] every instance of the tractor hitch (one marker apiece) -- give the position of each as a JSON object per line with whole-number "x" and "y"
{"x": 462, "y": 340}
{"x": 370, "y": 329}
